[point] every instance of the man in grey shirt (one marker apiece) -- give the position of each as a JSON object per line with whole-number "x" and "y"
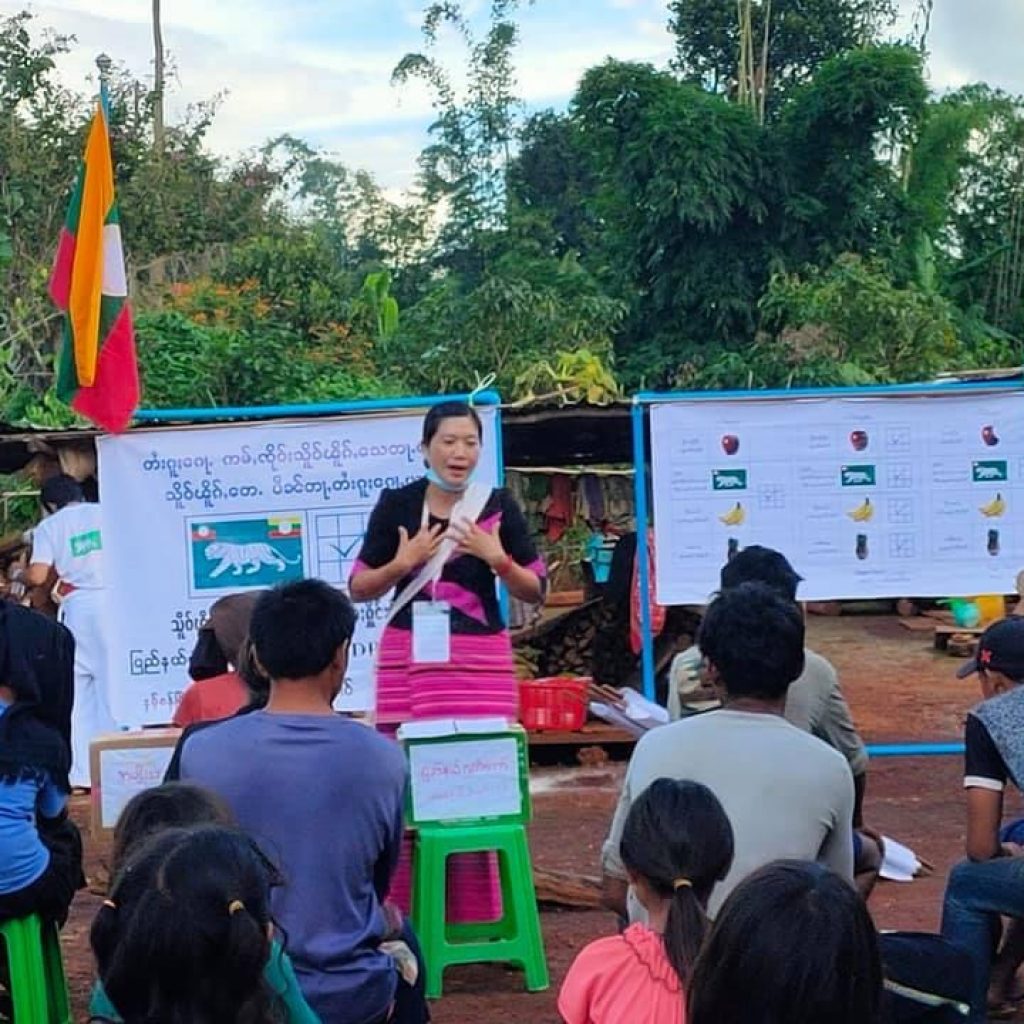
{"x": 814, "y": 703}
{"x": 787, "y": 794}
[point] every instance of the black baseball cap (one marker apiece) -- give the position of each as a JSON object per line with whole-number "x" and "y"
{"x": 1001, "y": 649}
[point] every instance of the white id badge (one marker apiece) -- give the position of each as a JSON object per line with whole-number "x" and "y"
{"x": 431, "y": 632}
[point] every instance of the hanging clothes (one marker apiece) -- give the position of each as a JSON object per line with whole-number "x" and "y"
{"x": 657, "y": 612}
{"x": 558, "y": 513}
{"x": 593, "y": 498}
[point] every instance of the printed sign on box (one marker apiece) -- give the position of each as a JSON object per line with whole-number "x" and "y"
{"x": 476, "y": 778}
{"x": 124, "y": 764}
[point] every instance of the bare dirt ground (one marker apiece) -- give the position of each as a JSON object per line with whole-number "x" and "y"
{"x": 899, "y": 689}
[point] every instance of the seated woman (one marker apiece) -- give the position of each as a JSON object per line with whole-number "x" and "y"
{"x": 185, "y": 934}
{"x": 177, "y": 805}
{"x": 793, "y": 944}
{"x": 40, "y": 848}
{"x": 219, "y": 689}
{"x": 676, "y": 844}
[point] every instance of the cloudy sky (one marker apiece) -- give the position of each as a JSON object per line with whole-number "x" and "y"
{"x": 321, "y": 69}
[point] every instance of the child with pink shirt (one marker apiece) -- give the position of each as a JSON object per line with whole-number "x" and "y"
{"x": 676, "y": 844}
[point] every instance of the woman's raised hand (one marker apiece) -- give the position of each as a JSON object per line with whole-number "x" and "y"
{"x": 418, "y": 549}
{"x": 473, "y": 540}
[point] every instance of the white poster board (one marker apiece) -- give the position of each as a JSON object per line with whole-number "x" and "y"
{"x": 193, "y": 514}
{"x": 472, "y": 778}
{"x": 867, "y": 497}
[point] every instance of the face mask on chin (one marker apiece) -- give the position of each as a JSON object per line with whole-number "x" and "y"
{"x": 438, "y": 481}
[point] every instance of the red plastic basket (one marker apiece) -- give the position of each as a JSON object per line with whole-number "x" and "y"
{"x": 553, "y": 703}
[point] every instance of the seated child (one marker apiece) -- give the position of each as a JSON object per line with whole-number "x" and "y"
{"x": 176, "y": 805}
{"x": 793, "y": 944}
{"x": 676, "y": 844}
{"x": 40, "y": 849}
{"x": 185, "y": 934}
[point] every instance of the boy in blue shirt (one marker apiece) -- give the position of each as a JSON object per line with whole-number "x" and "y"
{"x": 323, "y": 796}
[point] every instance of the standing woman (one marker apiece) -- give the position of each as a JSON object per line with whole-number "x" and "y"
{"x": 443, "y": 543}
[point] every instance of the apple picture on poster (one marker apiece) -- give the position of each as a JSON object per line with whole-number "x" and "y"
{"x": 730, "y": 444}
{"x": 989, "y": 435}
{"x": 859, "y": 440}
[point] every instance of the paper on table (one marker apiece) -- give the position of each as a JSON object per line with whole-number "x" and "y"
{"x": 431, "y": 727}
{"x": 900, "y": 863}
{"x": 613, "y": 716}
{"x": 643, "y": 711}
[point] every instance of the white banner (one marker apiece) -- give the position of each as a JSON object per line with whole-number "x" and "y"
{"x": 192, "y": 514}
{"x": 867, "y": 497}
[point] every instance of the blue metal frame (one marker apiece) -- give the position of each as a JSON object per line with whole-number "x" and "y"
{"x": 645, "y": 398}
{"x": 914, "y": 749}
{"x": 252, "y": 412}
{"x": 640, "y": 508}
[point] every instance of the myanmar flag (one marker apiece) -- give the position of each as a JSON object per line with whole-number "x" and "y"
{"x": 97, "y": 373}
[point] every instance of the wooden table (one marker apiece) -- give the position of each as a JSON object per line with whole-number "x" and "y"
{"x": 944, "y": 632}
{"x": 593, "y": 734}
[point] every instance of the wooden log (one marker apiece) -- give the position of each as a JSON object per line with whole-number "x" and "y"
{"x": 577, "y": 892}
{"x": 828, "y": 608}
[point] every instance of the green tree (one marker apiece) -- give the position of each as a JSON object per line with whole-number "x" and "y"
{"x": 842, "y": 194}
{"x": 687, "y": 186}
{"x": 850, "y": 324}
{"x": 801, "y": 35}
{"x": 346, "y": 206}
{"x": 986, "y": 214}
{"x": 523, "y": 314}
{"x": 463, "y": 168}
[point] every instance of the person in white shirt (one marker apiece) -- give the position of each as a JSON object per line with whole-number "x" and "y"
{"x": 69, "y": 542}
{"x": 788, "y": 795}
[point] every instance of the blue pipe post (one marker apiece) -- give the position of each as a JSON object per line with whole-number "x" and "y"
{"x": 640, "y": 501}
{"x": 499, "y": 442}
{"x": 914, "y": 749}
{"x": 250, "y": 412}
{"x": 860, "y": 391}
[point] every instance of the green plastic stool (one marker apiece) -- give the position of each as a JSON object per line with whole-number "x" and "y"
{"x": 39, "y": 990}
{"x": 515, "y": 938}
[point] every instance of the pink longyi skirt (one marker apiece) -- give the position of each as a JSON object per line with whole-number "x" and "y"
{"x": 478, "y": 682}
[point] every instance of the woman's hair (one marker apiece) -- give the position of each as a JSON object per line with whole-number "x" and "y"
{"x": 678, "y": 839}
{"x": 172, "y": 805}
{"x": 793, "y": 944}
{"x": 249, "y": 671}
{"x": 184, "y": 936}
{"x": 222, "y": 635}
{"x": 447, "y": 411}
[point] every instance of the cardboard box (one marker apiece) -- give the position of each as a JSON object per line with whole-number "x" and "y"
{"x": 122, "y": 764}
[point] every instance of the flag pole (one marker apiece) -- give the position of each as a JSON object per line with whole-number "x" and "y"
{"x": 103, "y": 65}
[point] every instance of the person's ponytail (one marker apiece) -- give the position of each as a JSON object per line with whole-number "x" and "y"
{"x": 684, "y": 930}
{"x": 677, "y": 838}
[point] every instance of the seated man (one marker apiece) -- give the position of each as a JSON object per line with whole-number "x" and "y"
{"x": 787, "y": 795}
{"x": 990, "y": 882}
{"x": 814, "y": 703}
{"x": 322, "y": 795}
